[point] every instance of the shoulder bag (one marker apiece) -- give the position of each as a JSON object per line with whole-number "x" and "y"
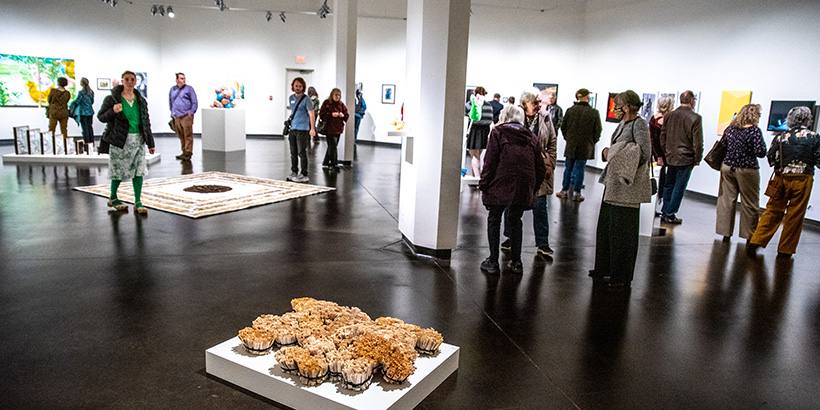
{"x": 286, "y": 130}
{"x": 774, "y": 188}
{"x": 716, "y": 155}
{"x": 171, "y": 122}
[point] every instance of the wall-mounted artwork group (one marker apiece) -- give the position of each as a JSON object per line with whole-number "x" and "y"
{"x": 26, "y": 81}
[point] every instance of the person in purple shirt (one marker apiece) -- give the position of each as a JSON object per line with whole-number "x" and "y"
{"x": 183, "y": 104}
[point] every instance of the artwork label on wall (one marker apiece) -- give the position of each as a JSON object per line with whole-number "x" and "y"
{"x": 610, "y": 108}
{"x": 388, "y": 93}
{"x": 47, "y": 139}
{"x": 103, "y": 83}
{"x": 648, "y": 109}
{"x": 730, "y": 104}
{"x": 142, "y": 83}
{"x": 26, "y": 81}
{"x": 21, "y": 140}
{"x": 35, "y": 145}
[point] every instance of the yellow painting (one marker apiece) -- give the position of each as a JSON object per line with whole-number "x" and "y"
{"x": 730, "y": 103}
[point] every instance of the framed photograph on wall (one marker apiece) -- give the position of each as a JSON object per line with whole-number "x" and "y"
{"x": 21, "y": 140}
{"x": 610, "y": 108}
{"x": 103, "y": 83}
{"x": 593, "y": 99}
{"x": 388, "y": 93}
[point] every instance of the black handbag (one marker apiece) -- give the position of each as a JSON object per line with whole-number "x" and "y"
{"x": 716, "y": 155}
{"x": 286, "y": 130}
{"x": 171, "y": 124}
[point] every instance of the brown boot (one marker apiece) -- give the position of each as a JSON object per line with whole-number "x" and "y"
{"x": 186, "y": 156}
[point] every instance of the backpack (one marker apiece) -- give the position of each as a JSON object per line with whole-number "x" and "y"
{"x": 475, "y": 109}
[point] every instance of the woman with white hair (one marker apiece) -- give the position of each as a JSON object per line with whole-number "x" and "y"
{"x": 513, "y": 170}
{"x": 793, "y": 154}
{"x": 665, "y": 105}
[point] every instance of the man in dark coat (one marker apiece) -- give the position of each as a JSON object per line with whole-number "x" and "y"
{"x": 497, "y": 106}
{"x": 513, "y": 171}
{"x": 682, "y": 141}
{"x": 582, "y": 130}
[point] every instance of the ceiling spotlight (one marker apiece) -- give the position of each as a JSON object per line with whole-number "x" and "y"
{"x": 161, "y": 10}
{"x": 221, "y": 5}
{"x": 268, "y": 16}
{"x": 323, "y": 11}
{"x": 154, "y": 10}
{"x": 282, "y": 17}
{"x": 113, "y": 3}
{"x": 170, "y": 11}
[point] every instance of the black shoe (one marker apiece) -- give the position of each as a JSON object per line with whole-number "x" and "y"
{"x": 751, "y": 248}
{"x": 180, "y": 156}
{"x": 782, "y": 255}
{"x": 545, "y": 250}
{"x": 617, "y": 285}
{"x": 516, "y": 267}
{"x": 671, "y": 220}
{"x": 490, "y": 267}
{"x": 506, "y": 246}
{"x": 727, "y": 239}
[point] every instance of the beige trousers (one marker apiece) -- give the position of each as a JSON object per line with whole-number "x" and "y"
{"x": 743, "y": 181}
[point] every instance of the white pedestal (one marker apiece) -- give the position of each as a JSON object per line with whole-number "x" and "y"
{"x": 262, "y": 375}
{"x": 223, "y": 129}
{"x": 80, "y": 159}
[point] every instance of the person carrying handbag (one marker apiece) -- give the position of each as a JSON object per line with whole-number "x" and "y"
{"x": 301, "y": 128}
{"x": 795, "y": 153}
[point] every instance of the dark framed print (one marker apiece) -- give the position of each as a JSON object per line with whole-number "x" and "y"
{"x": 35, "y": 145}
{"x": 21, "y": 140}
{"x": 388, "y": 93}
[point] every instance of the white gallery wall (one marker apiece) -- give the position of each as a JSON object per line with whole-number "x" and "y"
{"x": 706, "y": 46}
{"x": 211, "y": 47}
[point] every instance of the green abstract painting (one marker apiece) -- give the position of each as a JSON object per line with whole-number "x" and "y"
{"x": 26, "y": 81}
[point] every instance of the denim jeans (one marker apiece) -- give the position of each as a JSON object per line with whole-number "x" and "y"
{"x": 299, "y": 141}
{"x": 87, "y": 121}
{"x": 540, "y": 221}
{"x": 573, "y": 174}
{"x": 512, "y": 220}
{"x": 677, "y": 177}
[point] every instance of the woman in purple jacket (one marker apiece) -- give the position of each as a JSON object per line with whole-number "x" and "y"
{"x": 513, "y": 170}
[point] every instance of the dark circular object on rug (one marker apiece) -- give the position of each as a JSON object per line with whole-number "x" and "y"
{"x": 207, "y": 189}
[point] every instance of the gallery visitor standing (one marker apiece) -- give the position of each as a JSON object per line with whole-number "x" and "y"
{"x": 333, "y": 114}
{"x": 183, "y": 103}
{"x": 626, "y": 186}
{"x": 481, "y": 118}
{"x": 682, "y": 141}
{"x": 57, "y": 109}
{"x": 314, "y": 99}
{"x": 513, "y": 170}
{"x": 127, "y": 132}
{"x": 302, "y": 128}
{"x": 665, "y": 105}
{"x": 497, "y": 106}
{"x": 793, "y": 154}
{"x": 581, "y": 127}
{"x": 740, "y": 174}
{"x": 553, "y": 110}
{"x": 83, "y": 106}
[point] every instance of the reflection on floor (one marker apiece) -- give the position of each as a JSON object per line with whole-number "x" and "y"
{"x": 103, "y": 310}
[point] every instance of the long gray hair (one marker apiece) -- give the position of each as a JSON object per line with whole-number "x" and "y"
{"x": 511, "y": 113}
{"x": 799, "y": 117}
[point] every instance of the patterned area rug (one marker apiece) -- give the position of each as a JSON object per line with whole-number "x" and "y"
{"x": 168, "y": 194}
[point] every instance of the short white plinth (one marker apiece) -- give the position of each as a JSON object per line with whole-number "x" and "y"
{"x": 223, "y": 129}
{"x": 79, "y": 159}
{"x": 262, "y": 375}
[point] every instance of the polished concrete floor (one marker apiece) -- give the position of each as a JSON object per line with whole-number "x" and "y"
{"x": 102, "y": 310}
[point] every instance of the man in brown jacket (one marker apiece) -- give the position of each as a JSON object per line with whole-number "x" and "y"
{"x": 682, "y": 141}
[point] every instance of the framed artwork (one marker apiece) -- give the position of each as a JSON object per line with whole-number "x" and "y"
{"x": 80, "y": 148}
{"x": 35, "y": 145}
{"x": 142, "y": 84}
{"x": 103, "y": 83}
{"x": 545, "y": 89}
{"x": 26, "y": 81}
{"x": 610, "y": 108}
{"x": 814, "y": 115}
{"x": 47, "y": 139}
{"x": 593, "y": 99}
{"x": 388, "y": 93}
{"x": 59, "y": 145}
{"x": 730, "y": 104}
{"x": 468, "y": 92}
{"x": 70, "y": 148}
{"x": 21, "y": 140}
{"x": 648, "y": 109}
{"x": 779, "y": 112}
{"x": 697, "y": 101}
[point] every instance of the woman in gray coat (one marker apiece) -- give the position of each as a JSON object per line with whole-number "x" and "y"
{"x": 627, "y": 186}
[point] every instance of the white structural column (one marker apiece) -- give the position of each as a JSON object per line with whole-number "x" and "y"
{"x": 437, "y": 36}
{"x": 345, "y": 14}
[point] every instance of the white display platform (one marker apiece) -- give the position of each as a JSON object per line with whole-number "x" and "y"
{"x": 80, "y": 159}
{"x": 261, "y": 374}
{"x": 223, "y": 129}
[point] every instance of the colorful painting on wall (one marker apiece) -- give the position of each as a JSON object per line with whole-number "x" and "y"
{"x": 610, "y": 108}
{"x": 26, "y": 81}
{"x": 730, "y": 104}
{"x": 546, "y": 88}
